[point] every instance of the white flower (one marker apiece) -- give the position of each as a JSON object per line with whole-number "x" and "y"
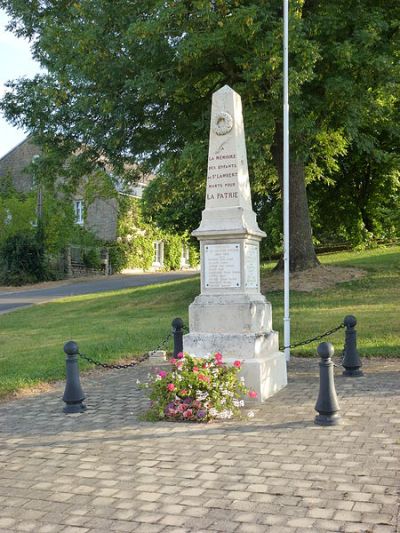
{"x": 201, "y": 395}
{"x": 158, "y": 378}
{"x": 223, "y": 400}
{"x": 236, "y": 403}
{"x": 241, "y": 403}
{"x": 213, "y": 411}
{"x": 138, "y": 382}
{"x": 242, "y": 379}
{"x": 250, "y": 414}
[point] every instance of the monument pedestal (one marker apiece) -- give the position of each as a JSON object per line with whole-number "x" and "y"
{"x": 263, "y": 366}
{"x": 230, "y": 315}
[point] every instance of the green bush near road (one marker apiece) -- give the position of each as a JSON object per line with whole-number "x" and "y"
{"x": 116, "y": 325}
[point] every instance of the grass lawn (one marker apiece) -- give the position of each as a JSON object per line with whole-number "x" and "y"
{"x": 115, "y": 325}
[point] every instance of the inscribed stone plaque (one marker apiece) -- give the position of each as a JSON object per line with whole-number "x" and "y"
{"x": 251, "y": 266}
{"x": 221, "y": 266}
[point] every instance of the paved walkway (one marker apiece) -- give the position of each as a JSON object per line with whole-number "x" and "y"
{"x": 105, "y": 471}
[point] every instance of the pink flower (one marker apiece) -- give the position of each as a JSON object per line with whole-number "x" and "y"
{"x": 218, "y": 357}
{"x": 196, "y": 404}
{"x": 172, "y": 360}
{"x": 179, "y": 364}
{"x": 162, "y": 374}
{"x": 180, "y": 355}
{"x": 181, "y": 408}
{"x": 195, "y": 369}
{"x": 202, "y": 377}
{"x": 184, "y": 392}
{"x": 237, "y": 364}
{"x": 252, "y": 394}
{"x": 188, "y": 413}
{"x": 170, "y": 387}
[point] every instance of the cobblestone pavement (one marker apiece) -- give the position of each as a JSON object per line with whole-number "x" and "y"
{"x": 105, "y": 471}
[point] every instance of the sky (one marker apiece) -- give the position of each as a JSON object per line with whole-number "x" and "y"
{"x": 15, "y": 61}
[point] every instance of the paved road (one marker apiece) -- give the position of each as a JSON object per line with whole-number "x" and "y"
{"x": 12, "y": 300}
{"x": 105, "y": 471}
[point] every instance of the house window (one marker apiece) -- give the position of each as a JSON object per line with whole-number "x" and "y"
{"x": 185, "y": 255}
{"x": 78, "y": 210}
{"x": 158, "y": 257}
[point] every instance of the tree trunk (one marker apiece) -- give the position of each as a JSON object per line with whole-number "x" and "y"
{"x": 301, "y": 249}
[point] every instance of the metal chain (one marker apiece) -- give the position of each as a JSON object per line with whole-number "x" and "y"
{"x": 313, "y": 339}
{"x": 128, "y": 365}
{"x": 113, "y": 366}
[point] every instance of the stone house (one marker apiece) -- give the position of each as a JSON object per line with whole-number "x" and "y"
{"x": 100, "y": 217}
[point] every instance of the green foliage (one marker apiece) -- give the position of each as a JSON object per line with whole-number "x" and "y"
{"x": 172, "y": 252}
{"x": 194, "y": 253}
{"x": 17, "y": 213}
{"x": 134, "y": 247}
{"x": 91, "y": 258}
{"x": 22, "y": 259}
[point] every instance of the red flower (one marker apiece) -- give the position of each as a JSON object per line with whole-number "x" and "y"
{"x": 202, "y": 377}
{"x": 170, "y": 387}
{"x": 237, "y": 364}
{"x": 252, "y": 394}
{"x": 218, "y": 357}
{"x": 195, "y": 369}
{"x": 184, "y": 392}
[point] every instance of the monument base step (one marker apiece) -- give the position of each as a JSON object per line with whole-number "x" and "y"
{"x": 263, "y": 366}
{"x": 229, "y": 313}
{"x": 234, "y": 345}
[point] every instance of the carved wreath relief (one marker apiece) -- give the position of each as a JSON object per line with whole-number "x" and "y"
{"x": 222, "y": 123}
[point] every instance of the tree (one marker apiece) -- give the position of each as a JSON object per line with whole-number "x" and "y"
{"x": 131, "y": 82}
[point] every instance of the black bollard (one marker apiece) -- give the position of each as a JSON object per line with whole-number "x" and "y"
{"x": 327, "y": 403}
{"x": 351, "y": 360}
{"x": 177, "y": 330}
{"x": 73, "y": 394}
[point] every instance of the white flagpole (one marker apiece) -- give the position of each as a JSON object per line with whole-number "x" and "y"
{"x": 286, "y": 318}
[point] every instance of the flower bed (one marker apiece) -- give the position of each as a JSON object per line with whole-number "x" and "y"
{"x": 197, "y": 390}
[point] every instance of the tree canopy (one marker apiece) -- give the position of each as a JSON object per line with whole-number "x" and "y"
{"x": 131, "y": 82}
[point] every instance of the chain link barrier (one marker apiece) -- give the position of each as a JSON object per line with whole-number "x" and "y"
{"x": 185, "y": 328}
{"x": 112, "y": 366}
{"x": 313, "y": 339}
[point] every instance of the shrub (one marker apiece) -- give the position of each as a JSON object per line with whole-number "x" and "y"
{"x": 22, "y": 260}
{"x": 197, "y": 390}
{"x": 91, "y": 258}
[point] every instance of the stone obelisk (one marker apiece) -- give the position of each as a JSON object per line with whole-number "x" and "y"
{"x": 230, "y": 315}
